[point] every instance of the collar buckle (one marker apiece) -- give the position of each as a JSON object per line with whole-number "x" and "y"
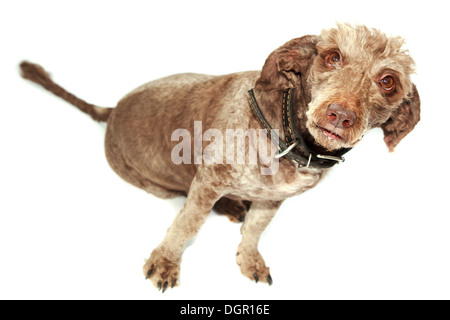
{"x": 287, "y": 150}
{"x": 333, "y": 158}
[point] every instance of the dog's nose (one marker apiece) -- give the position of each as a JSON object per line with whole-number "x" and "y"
{"x": 340, "y": 117}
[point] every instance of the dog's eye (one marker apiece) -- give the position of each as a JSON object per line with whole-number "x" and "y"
{"x": 387, "y": 83}
{"x": 333, "y": 59}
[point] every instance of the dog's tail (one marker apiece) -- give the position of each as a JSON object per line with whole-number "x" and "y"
{"x": 38, "y": 75}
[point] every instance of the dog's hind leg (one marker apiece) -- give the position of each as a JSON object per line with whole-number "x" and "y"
{"x": 235, "y": 210}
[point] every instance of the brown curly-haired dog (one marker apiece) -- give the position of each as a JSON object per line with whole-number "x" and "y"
{"x": 346, "y": 81}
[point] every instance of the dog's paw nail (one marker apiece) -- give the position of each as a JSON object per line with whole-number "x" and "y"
{"x": 269, "y": 280}
{"x": 165, "y": 286}
{"x": 174, "y": 283}
{"x": 149, "y": 273}
{"x": 159, "y": 285}
{"x": 255, "y": 276}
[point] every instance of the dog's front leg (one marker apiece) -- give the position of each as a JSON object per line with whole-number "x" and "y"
{"x": 248, "y": 257}
{"x": 163, "y": 266}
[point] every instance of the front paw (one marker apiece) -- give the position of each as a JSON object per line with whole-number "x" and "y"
{"x": 161, "y": 271}
{"x": 253, "y": 266}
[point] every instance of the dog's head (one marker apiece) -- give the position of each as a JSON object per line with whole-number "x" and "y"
{"x": 355, "y": 79}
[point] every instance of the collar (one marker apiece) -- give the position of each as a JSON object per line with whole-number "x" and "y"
{"x": 293, "y": 146}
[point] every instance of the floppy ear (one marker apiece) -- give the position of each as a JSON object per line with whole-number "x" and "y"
{"x": 403, "y": 120}
{"x": 284, "y": 66}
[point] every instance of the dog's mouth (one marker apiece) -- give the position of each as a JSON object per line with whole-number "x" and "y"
{"x": 330, "y": 134}
{"x": 331, "y": 138}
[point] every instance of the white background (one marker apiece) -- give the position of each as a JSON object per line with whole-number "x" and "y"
{"x": 376, "y": 228}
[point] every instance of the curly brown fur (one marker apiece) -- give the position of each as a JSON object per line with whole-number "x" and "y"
{"x": 347, "y": 81}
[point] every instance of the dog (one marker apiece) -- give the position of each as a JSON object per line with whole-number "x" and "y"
{"x": 314, "y": 99}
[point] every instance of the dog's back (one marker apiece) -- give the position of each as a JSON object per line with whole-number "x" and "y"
{"x": 138, "y": 138}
